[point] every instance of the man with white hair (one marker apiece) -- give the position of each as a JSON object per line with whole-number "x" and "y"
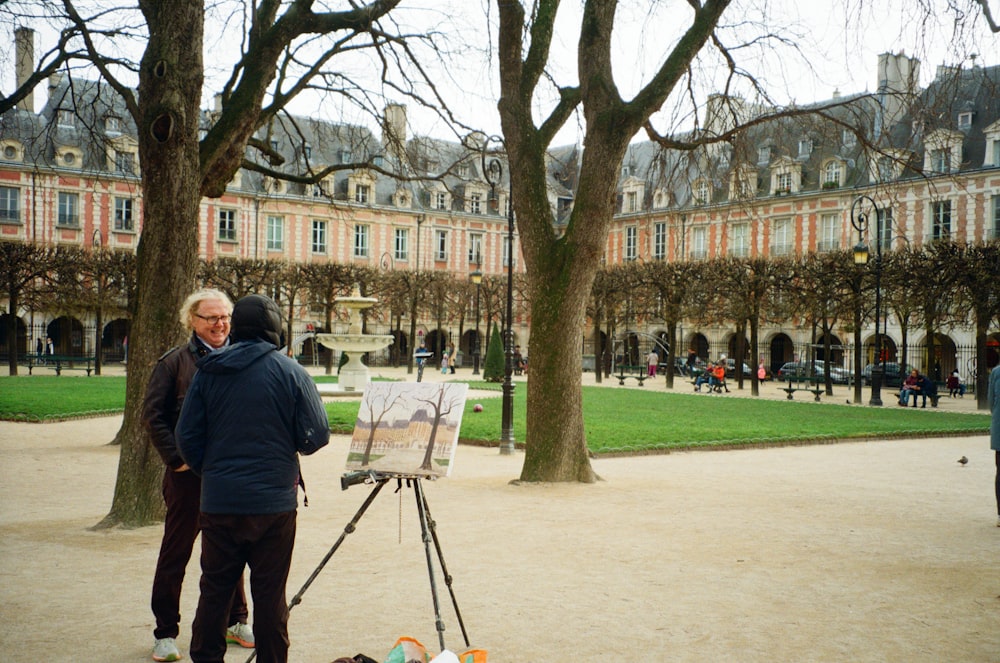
{"x": 206, "y": 314}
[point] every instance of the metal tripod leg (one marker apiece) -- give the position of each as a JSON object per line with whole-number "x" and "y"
{"x": 348, "y": 529}
{"x": 428, "y": 533}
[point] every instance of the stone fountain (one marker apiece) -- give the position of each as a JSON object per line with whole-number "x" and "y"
{"x": 354, "y": 374}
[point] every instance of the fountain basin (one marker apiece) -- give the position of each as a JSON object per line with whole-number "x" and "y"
{"x": 354, "y": 375}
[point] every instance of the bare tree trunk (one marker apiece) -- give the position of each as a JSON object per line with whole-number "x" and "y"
{"x": 170, "y": 81}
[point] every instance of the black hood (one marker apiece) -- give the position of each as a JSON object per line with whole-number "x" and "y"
{"x": 256, "y": 317}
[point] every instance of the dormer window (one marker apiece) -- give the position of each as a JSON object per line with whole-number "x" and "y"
{"x": 344, "y": 156}
{"x": 112, "y": 125}
{"x": 69, "y": 157}
{"x": 943, "y": 151}
{"x": 805, "y": 147}
{"x": 12, "y": 150}
{"x": 965, "y": 119}
{"x": 832, "y": 174}
{"x": 123, "y": 155}
{"x": 848, "y": 138}
{"x": 274, "y": 186}
{"x": 66, "y": 118}
{"x": 360, "y": 187}
{"x": 764, "y": 155}
{"x": 786, "y": 176}
{"x": 701, "y": 192}
{"x": 742, "y": 183}
{"x": 626, "y": 171}
{"x": 463, "y": 170}
{"x": 307, "y": 151}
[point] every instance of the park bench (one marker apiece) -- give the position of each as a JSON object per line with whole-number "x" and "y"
{"x": 60, "y": 363}
{"x": 805, "y": 383}
{"x": 639, "y": 373}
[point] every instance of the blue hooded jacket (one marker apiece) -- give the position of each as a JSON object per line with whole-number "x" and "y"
{"x": 248, "y": 412}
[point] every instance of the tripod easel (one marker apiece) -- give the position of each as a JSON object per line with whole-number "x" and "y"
{"x": 428, "y": 532}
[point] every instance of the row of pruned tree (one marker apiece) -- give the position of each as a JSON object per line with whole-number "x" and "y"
{"x": 102, "y": 282}
{"x": 926, "y": 289}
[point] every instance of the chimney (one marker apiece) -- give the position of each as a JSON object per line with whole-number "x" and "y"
{"x": 394, "y": 130}
{"x": 24, "y": 63}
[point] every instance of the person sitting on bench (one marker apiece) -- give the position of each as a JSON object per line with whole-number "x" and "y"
{"x": 909, "y": 387}
{"x": 719, "y": 377}
{"x": 927, "y": 389}
{"x": 955, "y": 386}
{"x": 703, "y": 378}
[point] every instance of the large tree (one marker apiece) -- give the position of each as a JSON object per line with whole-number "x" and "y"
{"x": 561, "y": 266}
{"x": 284, "y": 48}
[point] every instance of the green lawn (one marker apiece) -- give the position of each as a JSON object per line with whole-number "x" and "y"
{"x": 617, "y": 420}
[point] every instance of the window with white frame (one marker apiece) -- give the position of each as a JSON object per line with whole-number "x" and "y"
{"x": 440, "y": 200}
{"x": 125, "y": 162}
{"x": 123, "y": 214}
{"x": 940, "y": 159}
{"x": 764, "y": 154}
{"x": 10, "y": 204}
{"x": 884, "y": 219}
{"x": 319, "y": 245}
{"x": 659, "y": 241}
{"x": 508, "y": 247}
{"x": 886, "y": 168}
{"x": 227, "y": 225}
{"x": 441, "y": 245}
{"x": 848, "y": 138}
{"x": 739, "y": 239}
{"x": 631, "y": 243}
{"x": 275, "y": 233}
{"x": 361, "y": 246}
{"x": 783, "y": 184}
{"x": 475, "y": 248}
{"x": 362, "y": 193}
{"x": 69, "y": 209}
{"x": 701, "y": 193}
{"x": 112, "y": 125}
{"x": 401, "y": 244}
{"x": 965, "y": 119}
{"x": 630, "y": 202}
{"x": 829, "y": 233}
{"x": 781, "y": 237}
{"x": 66, "y": 118}
{"x": 941, "y": 219}
{"x": 831, "y": 174}
{"x": 475, "y": 203}
{"x": 805, "y": 147}
{"x": 699, "y": 243}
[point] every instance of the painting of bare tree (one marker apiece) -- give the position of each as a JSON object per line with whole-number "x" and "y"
{"x": 408, "y": 428}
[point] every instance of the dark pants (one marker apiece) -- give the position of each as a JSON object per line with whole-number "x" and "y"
{"x": 228, "y": 542}
{"x": 996, "y": 482}
{"x": 182, "y": 494}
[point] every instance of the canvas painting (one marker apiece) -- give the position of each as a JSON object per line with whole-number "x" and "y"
{"x": 408, "y": 428}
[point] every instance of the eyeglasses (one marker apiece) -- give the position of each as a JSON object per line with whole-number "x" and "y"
{"x": 213, "y": 319}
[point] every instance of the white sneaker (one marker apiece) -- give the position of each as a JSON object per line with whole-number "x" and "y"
{"x": 165, "y": 649}
{"x": 240, "y": 634}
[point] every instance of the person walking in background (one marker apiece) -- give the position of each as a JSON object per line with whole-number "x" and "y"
{"x": 249, "y": 412}
{"x": 692, "y": 361}
{"x": 993, "y": 400}
{"x": 652, "y": 361}
{"x": 50, "y": 347}
{"x": 205, "y": 313}
{"x": 452, "y": 357}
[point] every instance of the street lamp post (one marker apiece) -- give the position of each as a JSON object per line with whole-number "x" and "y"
{"x": 477, "y": 280}
{"x": 860, "y": 220}
{"x": 97, "y": 241}
{"x": 493, "y": 172}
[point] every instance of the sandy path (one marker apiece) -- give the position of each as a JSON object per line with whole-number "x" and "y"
{"x": 881, "y": 551}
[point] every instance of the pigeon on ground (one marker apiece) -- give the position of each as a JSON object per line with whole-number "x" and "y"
{"x": 963, "y": 460}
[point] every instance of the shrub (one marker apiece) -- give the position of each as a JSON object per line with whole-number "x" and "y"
{"x": 493, "y": 370}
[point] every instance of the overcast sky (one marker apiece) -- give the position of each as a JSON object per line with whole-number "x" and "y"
{"x": 840, "y": 39}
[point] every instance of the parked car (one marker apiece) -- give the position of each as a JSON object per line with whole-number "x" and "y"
{"x": 798, "y": 369}
{"x": 892, "y": 374}
{"x": 731, "y": 369}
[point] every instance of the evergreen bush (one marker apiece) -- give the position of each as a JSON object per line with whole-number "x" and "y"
{"x": 493, "y": 370}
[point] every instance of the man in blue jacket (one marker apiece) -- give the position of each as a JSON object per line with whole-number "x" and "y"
{"x": 249, "y": 412}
